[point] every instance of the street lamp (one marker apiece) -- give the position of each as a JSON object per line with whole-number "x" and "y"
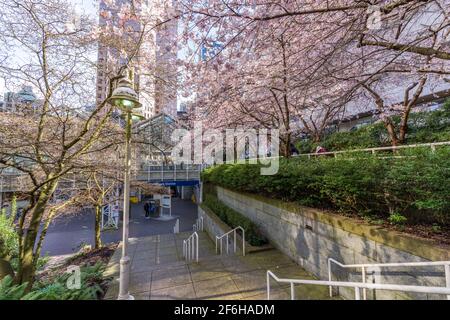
{"x": 126, "y": 99}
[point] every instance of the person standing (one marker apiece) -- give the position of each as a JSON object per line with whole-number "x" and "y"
{"x": 294, "y": 150}
{"x": 152, "y": 208}
{"x": 147, "y": 210}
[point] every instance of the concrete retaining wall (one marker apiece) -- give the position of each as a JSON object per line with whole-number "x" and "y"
{"x": 211, "y": 224}
{"x": 216, "y": 227}
{"x": 311, "y": 236}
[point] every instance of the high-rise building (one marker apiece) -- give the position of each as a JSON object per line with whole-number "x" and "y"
{"x": 166, "y": 68}
{"x": 155, "y": 65}
{"x": 21, "y": 101}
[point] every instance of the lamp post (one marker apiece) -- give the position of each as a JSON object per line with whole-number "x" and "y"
{"x": 1, "y": 193}
{"x": 126, "y": 99}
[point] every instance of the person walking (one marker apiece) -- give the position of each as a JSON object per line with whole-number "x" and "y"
{"x": 147, "y": 210}
{"x": 294, "y": 150}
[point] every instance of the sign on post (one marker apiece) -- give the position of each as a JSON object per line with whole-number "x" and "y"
{"x": 166, "y": 203}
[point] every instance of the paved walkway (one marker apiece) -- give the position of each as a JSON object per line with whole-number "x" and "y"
{"x": 158, "y": 271}
{"x": 67, "y": 233}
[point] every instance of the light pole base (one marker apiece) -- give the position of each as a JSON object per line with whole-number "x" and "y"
{"x": 125, "y": 297}
{"x": 124, "y": 280}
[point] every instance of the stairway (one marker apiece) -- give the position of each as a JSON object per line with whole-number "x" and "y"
{"x": 158, "y": 271}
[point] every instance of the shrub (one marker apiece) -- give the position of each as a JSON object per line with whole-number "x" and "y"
{"x": 414, "y": 184}
{"x": 432, "y": 126}
{"x": 235, "y": 219}
{"x": 9, "y": 243}
{"x": 9, "y": 240}
{"x": 397, "y": 218}
{"x": 10, "y": 291}
{"x": 56, "y": 289}
{"x": 423, "y": 127}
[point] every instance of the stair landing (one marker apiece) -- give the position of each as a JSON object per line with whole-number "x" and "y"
{"x": 158, "y": 271}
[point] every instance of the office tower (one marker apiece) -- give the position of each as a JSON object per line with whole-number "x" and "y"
{"x": 155, "y": 64}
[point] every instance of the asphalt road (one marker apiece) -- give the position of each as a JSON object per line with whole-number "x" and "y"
{"x": 67, "y": 233}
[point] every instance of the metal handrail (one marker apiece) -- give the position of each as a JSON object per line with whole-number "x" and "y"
{"x": 356, "y": 285}
{"x": 365, "y": 266}
{"x": 234, "y": 238}
{"x": 190, "y": 247}
{"x": 176, "y": 228}
{"x": 431, "y": 145}
{"x": 198, "y": 225}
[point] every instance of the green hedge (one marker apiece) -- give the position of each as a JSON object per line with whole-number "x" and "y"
{"x": 234, "y": 219}
{"x": 414, "y": 185}
{"x": 423, "y": 127}
{"x": 9, "y": 240}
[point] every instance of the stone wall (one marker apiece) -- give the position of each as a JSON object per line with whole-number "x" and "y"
{"x": 212, "y": 225}
{"x": 311, "y": 236}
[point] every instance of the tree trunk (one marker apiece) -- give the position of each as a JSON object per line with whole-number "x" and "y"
{"x": 386, "y": 120}
{"x": 391, "y": 132}
{"x": 407, "y": 106}
{"x": 285, "y": 143}
{"x": 288, "y": 145}
{"x": 27, "y": 267}
{"x": 98, "y": 218}
{"x": 403, "y": 129}
{"x": 316, "y": 137}
{"x": 37, "y": 252}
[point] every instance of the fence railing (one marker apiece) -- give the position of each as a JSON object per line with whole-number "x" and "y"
{"x": 367, "y": 266}
{"x": 167, "y": 172}
{"x": 356, "y": 285}
{"x": 374, "y": 150}
{"x": 190, "y": 247}
{"x": 432, "y": 146}
{"x": 198, "y": 225}
{"x": 226, "y": 237}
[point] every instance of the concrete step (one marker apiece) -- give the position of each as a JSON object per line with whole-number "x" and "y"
{"x": 158, "y": 271}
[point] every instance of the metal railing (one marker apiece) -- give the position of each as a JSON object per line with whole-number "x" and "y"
{"x": 226, "y": 236}
{"x": 167, "y": 172}
{"x": 190, "y": 247}
{"x": 356, "y": 285}
{"x": 176, "y": 227}
{"x": 198, "y": 225}
{"x": 432, "y": 145}
{"x": 366, "y": 266}
{"x": 374, "y": 150}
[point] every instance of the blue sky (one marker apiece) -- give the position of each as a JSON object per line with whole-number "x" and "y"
{"x": 86, "y": 6}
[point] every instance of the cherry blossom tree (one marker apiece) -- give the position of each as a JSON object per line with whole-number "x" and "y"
{"x": 51, "y": 47}
{"x": 330, "y": 54}
{"x": 46, "y": 45}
